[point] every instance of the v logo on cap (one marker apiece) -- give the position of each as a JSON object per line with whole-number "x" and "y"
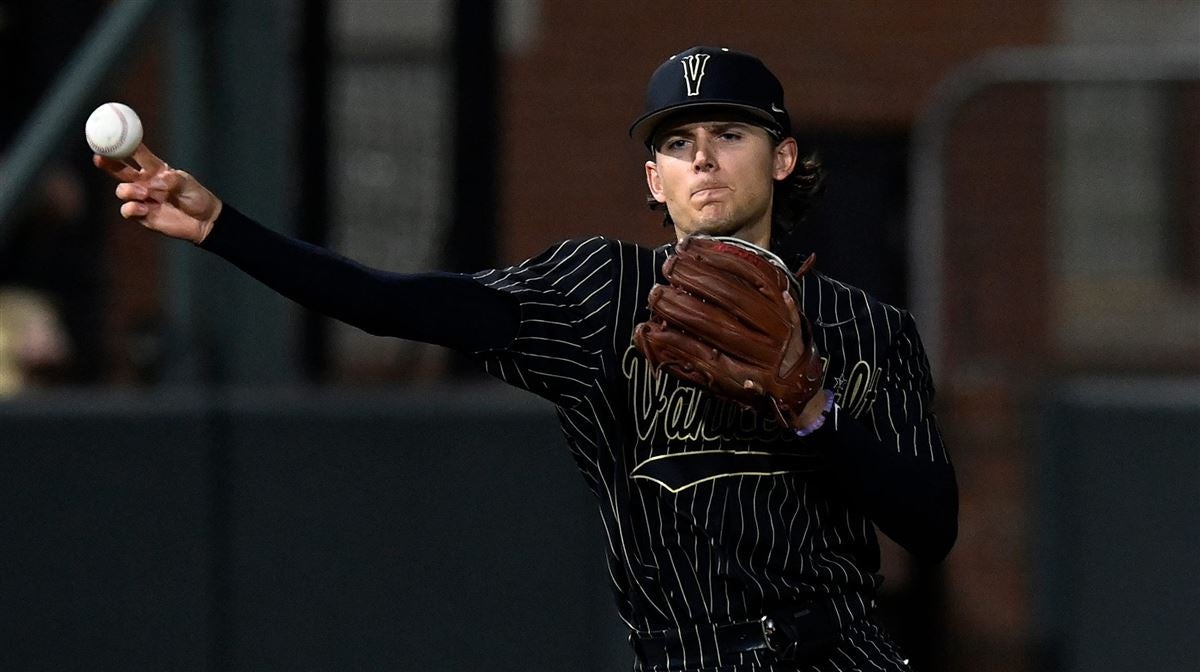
{"x": 733, "y": 80}
{"x": 693, "y": 72}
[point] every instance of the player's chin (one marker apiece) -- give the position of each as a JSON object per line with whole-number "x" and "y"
{"x": 715, "y": 225}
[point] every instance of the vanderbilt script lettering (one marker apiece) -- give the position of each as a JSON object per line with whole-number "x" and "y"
{"x": 668, "y": 407}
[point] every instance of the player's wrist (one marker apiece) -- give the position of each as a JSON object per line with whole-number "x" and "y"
{"x": 206, "y": 225}
{"x": 816, "y": 411}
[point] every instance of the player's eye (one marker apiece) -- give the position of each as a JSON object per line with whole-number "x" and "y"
{"x": 731, "y": 135}
{"x": 673, "y": 144}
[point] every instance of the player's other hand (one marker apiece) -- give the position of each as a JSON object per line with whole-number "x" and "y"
{"x": 161, "y": 198}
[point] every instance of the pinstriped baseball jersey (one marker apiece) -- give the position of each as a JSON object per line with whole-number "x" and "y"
{"x": 712, "y": 513}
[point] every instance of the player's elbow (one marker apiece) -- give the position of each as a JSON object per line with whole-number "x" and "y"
{"x": 936, "y": 546}
{"x": 940, "y": 531}
{"x": 932, "y": 543}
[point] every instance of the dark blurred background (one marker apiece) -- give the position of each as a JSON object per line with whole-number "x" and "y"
{"x": 198, "y": 475}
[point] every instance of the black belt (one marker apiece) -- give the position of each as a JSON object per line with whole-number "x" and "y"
{"x": 793, "y": 632}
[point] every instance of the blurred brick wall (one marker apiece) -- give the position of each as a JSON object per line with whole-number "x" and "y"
{"x": 137, "y": 277}
{"x": 569, "y": 169}
{"x": 1188, "y": 160}
{"x": 997, "y": 344}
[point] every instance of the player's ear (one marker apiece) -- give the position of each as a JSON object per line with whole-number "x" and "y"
{"x": 786, "y": 154}
{"x": 654, "y": 182}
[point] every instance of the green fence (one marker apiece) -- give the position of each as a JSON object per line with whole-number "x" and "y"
{"x": 431, "y": 530}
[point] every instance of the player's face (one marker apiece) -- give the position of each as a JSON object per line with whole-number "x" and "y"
{"x": 717, "y": 177}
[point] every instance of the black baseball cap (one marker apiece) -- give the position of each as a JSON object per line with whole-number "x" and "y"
{"x": 713, "y": 77}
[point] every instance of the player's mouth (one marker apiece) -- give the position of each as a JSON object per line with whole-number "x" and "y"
{"x": 709, "y": 190}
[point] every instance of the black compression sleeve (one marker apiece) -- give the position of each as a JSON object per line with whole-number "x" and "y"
{"x": 913, "y": 501}
{"x": 448, "y": 309}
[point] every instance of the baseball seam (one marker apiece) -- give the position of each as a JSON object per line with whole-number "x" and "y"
{"x": 121, "y": 138}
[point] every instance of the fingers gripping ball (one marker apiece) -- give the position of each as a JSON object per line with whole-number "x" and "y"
{"x": 113, "y": 131}
{"x": 728, "y": 321}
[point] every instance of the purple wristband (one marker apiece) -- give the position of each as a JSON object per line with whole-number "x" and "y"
{"x": 820, "y": 421}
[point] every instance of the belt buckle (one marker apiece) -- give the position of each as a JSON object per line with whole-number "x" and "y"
{"x": 770, "y": 630}
{"x": 776, "y": 640}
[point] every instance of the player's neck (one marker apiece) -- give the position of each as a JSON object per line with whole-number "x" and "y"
{"x": 760, "y": 237}
{"x": 758, "y": 233}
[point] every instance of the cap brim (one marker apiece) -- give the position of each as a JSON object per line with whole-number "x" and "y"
{"x": 645, "y": 125}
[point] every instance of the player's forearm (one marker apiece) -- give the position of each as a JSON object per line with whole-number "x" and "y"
{"x": 910, "y": 498}
{"x": 443, "y": 308}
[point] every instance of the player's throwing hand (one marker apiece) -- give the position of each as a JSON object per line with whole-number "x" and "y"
{"x": 161, "y": 198}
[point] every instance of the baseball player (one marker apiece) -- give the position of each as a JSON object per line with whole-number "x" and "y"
{"x": 745, "y": 425}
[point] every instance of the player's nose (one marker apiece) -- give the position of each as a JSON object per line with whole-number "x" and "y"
{"x": 704, "y": 158}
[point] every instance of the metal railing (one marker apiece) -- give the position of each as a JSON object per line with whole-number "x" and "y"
{"x": 1033, "y": 65}
{"x": 91, "y": 62}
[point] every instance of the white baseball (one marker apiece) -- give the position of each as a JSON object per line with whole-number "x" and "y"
{"x": 113, "y": 131}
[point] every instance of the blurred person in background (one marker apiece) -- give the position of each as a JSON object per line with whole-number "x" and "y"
{"x": 34, "y": 351}
{"x": 53, "y": 243}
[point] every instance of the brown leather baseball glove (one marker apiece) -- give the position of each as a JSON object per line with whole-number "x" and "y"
{"x": 728, "y": 321}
